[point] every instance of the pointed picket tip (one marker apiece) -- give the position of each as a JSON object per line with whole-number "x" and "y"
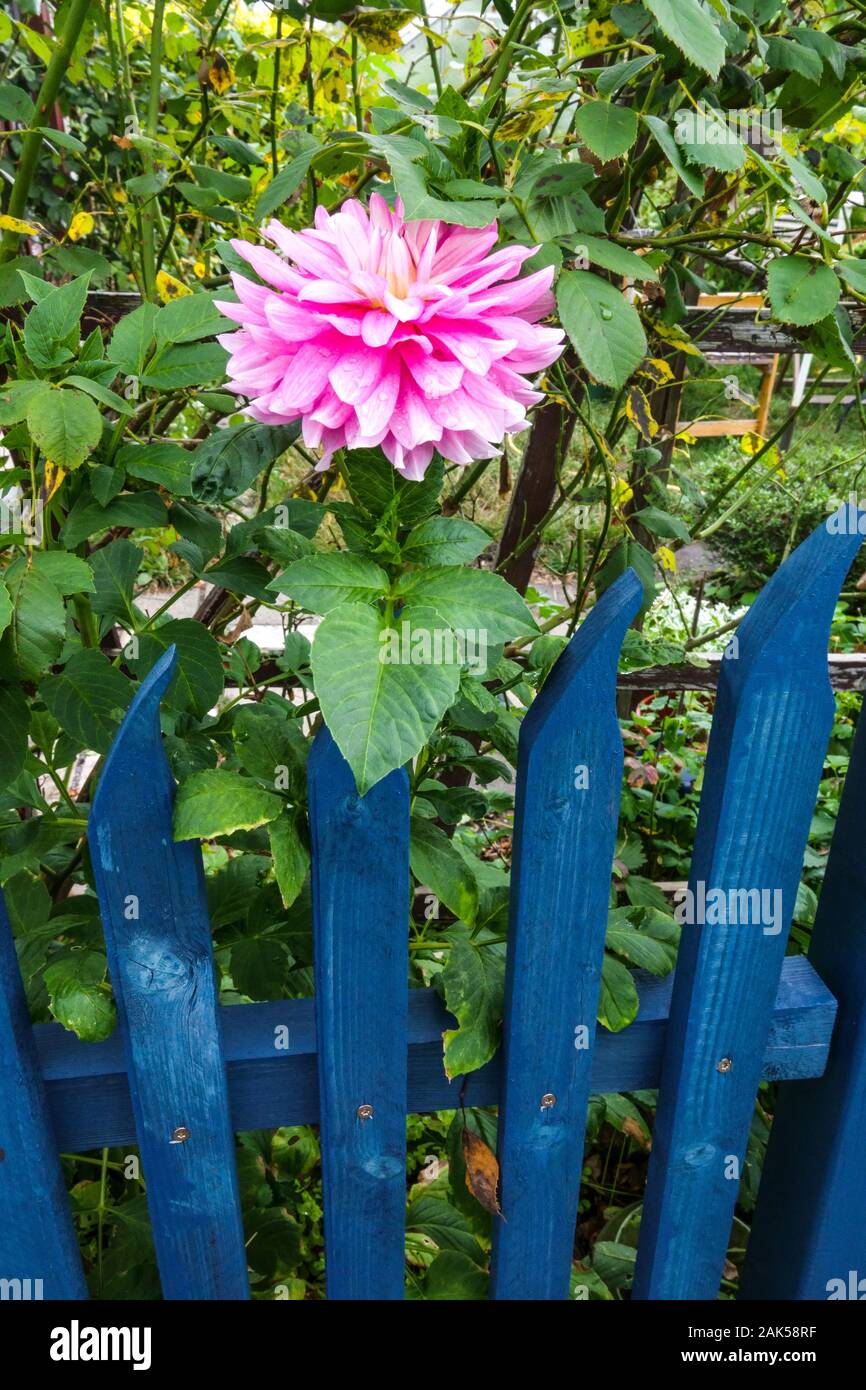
{"x": 140, "y": 722}
{"x": 789, "y": 622}
{"x": 599, "y": 638}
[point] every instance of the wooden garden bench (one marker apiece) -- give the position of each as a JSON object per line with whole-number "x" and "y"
{"x": 182, "y": 1074}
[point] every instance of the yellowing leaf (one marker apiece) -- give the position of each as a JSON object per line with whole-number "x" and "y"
{"x": 219, "y": 74}
{"x": 379, "y": 30}
{"x": 167, "y": 287}
{"x": 482, "y": 1171}
{"x": 667, "y": 559}
{"x": 14, "y": 224}
{"x": 81, "y": 225}
{"x": 621, "y": 492}
{"x": 51, "y": 481}
{"x": 657, "y": 369}
{"x": 637, "y": 408}
{"x": 199, "y": 270}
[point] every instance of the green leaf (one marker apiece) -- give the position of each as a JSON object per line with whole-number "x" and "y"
{"x": 270, "y": 745}
{"x": 410, "y": 182}
{"x": 708, "y": 140}
{"x": 285, "y": 183}
{"x": 16, "y": 398}
{"x": 786, "y": 55}
{"x": 660, "y": 523}
{"x": 802, "y": 290}
{"x": 15, "y": 104}
{"x": 469, "y": 600}
{"x": 115, "y": 568}
{"x": 69, "y": 573}
{"x": 198, "y": 682}
{"x": 613, "y": 1262}
{"x": 235, "y": 188}
{"x": 14, "y": 725}
{"x": 605, "y": 329}
{"x": 259, "y": 968}
{"x": 629, "y": 554}
{"x": 186, "y": 366}
{"x": 38, "y": 625}
{"x": 381, "y": 713}
{"x": 444, "y": 1224}
{"x": 224, "y": 465}
{"x": 80, "y": 997}
{"x": 321, "y": 583}
{"x": 51, "y": 327}
{"x": 638, "y": 948}
{"x": 134, "y": 509}
{"x": 438, "y": 866}
{"x": 5, "y": 607}
{"x": 290, "y": 853}
{"x": 218, "y": 802}
{"x": 473, "y": 982}
{"x": 607, "y": 129}
{"x": 88, "y": 698}
{"x": 377, "y": 488}
{"x": 66, "y": 425}
{"x": 99, "y": 393}
{"x": 453, "y": 1276}
{"x": 853, "y": 272}
{"x": 611, "y": 80}
{"x": 445, "y": 540}
{"x": 168, "y": 465}
{"x": 619, "y": 1001}
{"x": 660, "y": 132}
{"x": 610, "y": 256}
{"x": 132, "y": 339}
{"x": 188, "y": 319}
{"x": 691, "y": 29}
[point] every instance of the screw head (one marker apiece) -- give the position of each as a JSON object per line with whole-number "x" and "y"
{"x": 548, "y": 1101}
{"x": 180, "y": 1135}
{"x": 725, "y": 1064}
{"x": 365, "y": 1112}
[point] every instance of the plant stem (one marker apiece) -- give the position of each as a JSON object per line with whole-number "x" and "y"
{"x": 32, "y": 142}
{"x": 148, "y": 211}
{"x": 275, "y": 93}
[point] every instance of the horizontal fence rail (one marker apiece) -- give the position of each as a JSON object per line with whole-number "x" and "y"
{"x": 88, "y": 1090}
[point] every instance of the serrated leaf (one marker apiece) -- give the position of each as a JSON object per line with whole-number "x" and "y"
{"x": 610, "y": 256}
{"x": 605, "y": 329}
{"x": 469, "y": 600}
{"x": 691, "y": 29}
{"x": 438, "y": 866}
{"x": 226, "y": 463}
{"x": 321, "y": 583}
{"x": 380, "y": 713}
{"x": 216, "y": 801}
{"x": 474, "y": 985}
{"x": 88, "y": 698}
{"x": 80, "y": 998}
{"x": 619, "y": 1002}
{"x": 65, "y": 424}
{"x": 444, "y": 540}
{"x": 609, "y": 130}
{"x": 802, "y": 290}
{"x": 290, "y": 853}
{"x": 199, "y": 679}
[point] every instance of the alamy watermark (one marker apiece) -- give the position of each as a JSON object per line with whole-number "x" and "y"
{"x": 729, "y": 907}
{"x": 19, "y": 516}
{"x": 408, "y": 645}
{"x": 846, "y": 518}
{"x": 759, "y": 129}
{"x": 21, "y": 1290}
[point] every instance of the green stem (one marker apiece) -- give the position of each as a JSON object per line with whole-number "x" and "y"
{"x": 86, "y": 621}
{"x": 275, "y": 93}
{"x": 32, "y": 142}
{"x": 356, "y": 86}
{"x": 148, "y": 211}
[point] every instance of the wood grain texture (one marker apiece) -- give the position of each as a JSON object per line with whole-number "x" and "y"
{"x": 845, "y": 671}
{"x": 360, "y": 886}
{"x": 157, "y": 932}
{"x": 37, "y": 1239}
{"x": 810, "y": 1224}
{"x": 772, "y": 720}
{"x": 568, "y": 780}
{"x": 88, "y": 1092}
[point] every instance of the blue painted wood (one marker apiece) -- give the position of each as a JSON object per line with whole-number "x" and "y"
{"x": 568, "y": 780}
{"x": 360, "y": 885}
{"x": 810, "y": 1225}
{"x": 772, "y": 720}
{"x": 37, "y": 1239}
{"x": 88, "y": 1093}
{"x": 157, "y": 933}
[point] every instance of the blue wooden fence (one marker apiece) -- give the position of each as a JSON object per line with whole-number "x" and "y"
{"x": 183, "y": 1074}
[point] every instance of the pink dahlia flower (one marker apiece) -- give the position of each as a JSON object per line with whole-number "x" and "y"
{"x": 375, "y": 331}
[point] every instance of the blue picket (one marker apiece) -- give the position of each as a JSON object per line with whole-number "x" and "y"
{"x": 568, "y": 779}
{"x": 360, "y": 883}
{"x": 38, "y": 1250}
{"x": 770, "y": 729}
{"x": 808, "y": 1239}
{"x": 158, "y": 939}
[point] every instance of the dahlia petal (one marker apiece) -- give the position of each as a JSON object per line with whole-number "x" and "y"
{"x": 461, "y": 247}
{"x": 434, "y": 376}
{"x": 377, "y": 327}
{"x": 267, "y": 265}
{"x": 375, "y": 412}
{"x": 329, "y": 292}
{"x": 477, "y": 354}
{"x": 306, "y": 378}
{"x": 288, "y": 320}
{"x": 357, "y": 373}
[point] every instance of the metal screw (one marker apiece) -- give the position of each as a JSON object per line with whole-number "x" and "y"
{"x": 365, "y": 1112}
{"x": 725, "y": 1064}
{"x": 180, "y": 1135}
{"x": 548, "y": 1101}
